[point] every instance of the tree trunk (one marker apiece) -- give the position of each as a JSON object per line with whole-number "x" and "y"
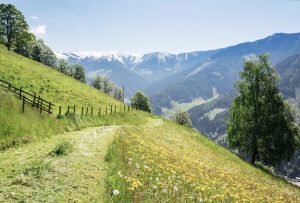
{"x": 254, "y": 156}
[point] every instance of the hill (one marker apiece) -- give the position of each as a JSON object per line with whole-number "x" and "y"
{"x": 148, "y": 158}
{"x": 52, "y": 85}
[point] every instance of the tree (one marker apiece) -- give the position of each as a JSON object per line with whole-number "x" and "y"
{"x": 97, "y": 82}
{"x": 141, "y": 102}
{"x": 182, "y": 118}
{"x": 107, "y": 85}
{"x": 24, "y": 44}
{"x": 78, "y": 72}
{"x": 42, "y": 53}
{"x": 261, "y": 124}
{"x": 12, "y": 25}
{"x": 118, "y": 94}
{"x": 63, "y": 66}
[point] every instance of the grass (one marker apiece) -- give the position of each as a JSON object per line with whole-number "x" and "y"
{"x": 171, "y": 163}
{"x": 36, "y": 168}
{"x": 17, "y": 128}
{"x": 29, "y": 174}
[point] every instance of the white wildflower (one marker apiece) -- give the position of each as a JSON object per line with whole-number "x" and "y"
{"x": 175, "y": 188}
{"x": 116, "y": 192}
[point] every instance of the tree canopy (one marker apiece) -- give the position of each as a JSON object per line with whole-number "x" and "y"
{"x": 141, "y": 102}
{"x": 12, "y": 25}
{"x": 261, "y": 125}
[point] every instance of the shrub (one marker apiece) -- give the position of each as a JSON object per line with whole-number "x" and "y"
{"x": 182, "y": 118}
{"x": 61, "y": 149}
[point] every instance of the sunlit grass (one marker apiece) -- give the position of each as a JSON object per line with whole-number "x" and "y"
{"x": 175, "y": 164}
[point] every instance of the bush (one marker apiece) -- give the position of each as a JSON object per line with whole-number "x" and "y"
{"x": 61, "y": 149}
{"x": 182, "y": 118}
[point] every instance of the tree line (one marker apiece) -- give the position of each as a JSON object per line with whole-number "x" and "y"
{"x": 15, "y": 35}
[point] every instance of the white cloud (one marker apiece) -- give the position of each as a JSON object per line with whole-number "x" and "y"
{"x": 34, "y": 17}
{"x": 38, "y": 30}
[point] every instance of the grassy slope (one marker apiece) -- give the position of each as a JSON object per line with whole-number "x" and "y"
{"x": 164, "y": 161}
{"x": 17, "y": 128}
{"x": 152, "y": 162}
{"x": 50, "y": 84}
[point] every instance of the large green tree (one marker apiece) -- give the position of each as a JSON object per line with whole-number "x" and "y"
{"x": 12, "y": 25}
{"x": 141, "y": 102}
{"x": 261, "y": 125}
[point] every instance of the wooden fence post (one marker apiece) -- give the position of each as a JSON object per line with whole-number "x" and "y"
{"x": 59, "y": 110}
{"x": 34, "y": 96}
{"x": 81, "y": 111}
{"x": 74, "y": 109}
{"x": 49, "y": 110}
{"x": 68, "y": 111}
{"x": 23, "y": 105}
{"x": 41, "y": 107}
{"x": 110, "y": 109}
{"x": 38, "y": 103}
{"x": 20, "y": 93}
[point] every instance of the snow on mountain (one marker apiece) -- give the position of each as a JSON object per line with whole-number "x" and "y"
{"x": 94, "y": 55}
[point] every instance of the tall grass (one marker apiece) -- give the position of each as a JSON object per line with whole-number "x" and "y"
{"x": 18, "y": 128}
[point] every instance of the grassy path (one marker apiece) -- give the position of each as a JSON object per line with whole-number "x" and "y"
{"x": 78, "y": 176}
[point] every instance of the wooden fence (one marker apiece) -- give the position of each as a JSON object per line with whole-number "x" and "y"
{"x": 26, "y": 97}
{"x": 101, "y": 111}
{"x": 43, "y": 105}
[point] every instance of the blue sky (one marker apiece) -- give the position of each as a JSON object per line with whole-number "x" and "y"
{"x": 142, "y": 26}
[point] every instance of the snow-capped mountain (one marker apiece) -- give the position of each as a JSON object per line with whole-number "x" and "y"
{"x": 151, "y": 67}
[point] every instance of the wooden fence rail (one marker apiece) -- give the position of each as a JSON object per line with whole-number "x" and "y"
{"x": 26, "y": 97}
{"x": 111, "y": 109}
